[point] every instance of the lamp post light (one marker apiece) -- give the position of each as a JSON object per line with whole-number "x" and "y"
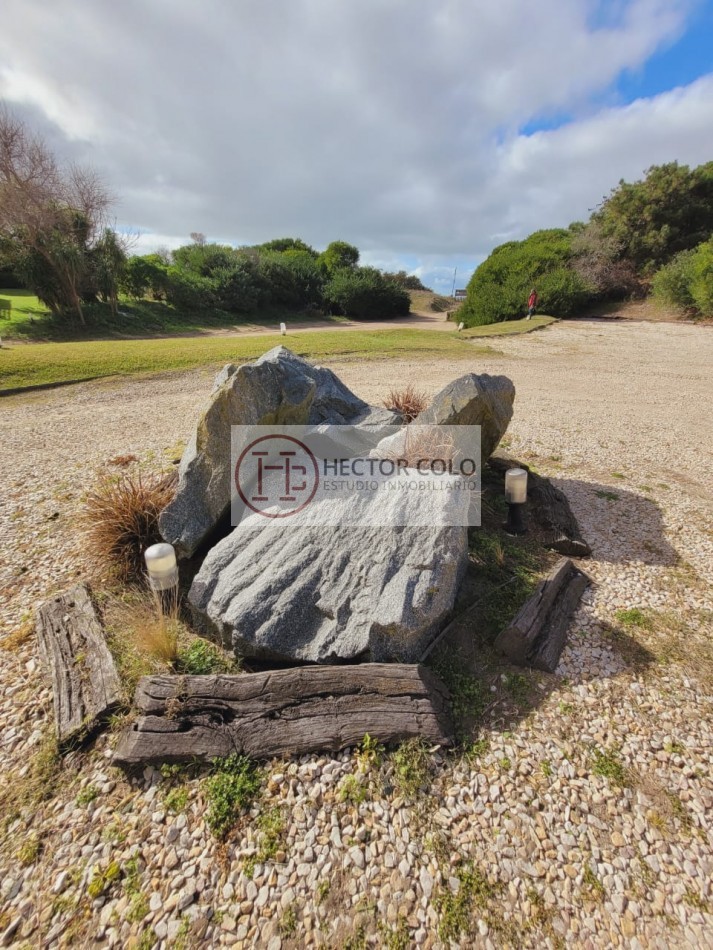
{"x": 515, "y": 496}
{"x": 162, "y": 570}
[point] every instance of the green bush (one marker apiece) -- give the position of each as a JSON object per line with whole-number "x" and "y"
{"x": 500, "y": 286}
{"x": 365, "y": 292}
{"x": 337, "y": 256}
{"x": 291, "y": 279}
{"x": 702, "y": 279}
{"x": 230, "y": 790}
{"x": 671, "y": 285}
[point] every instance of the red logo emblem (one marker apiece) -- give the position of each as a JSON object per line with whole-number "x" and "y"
{"x": 276, "y": 470}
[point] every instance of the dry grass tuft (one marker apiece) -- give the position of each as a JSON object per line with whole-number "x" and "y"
{"x": 121, "y": 518}
{"x": 408, "y": 401}
{"x": 122, "y": 461}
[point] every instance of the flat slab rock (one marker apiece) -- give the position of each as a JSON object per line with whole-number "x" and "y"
{"x": 330, "y": 595}
{"x": 283, "y": 712}
{"x": 85, "y": 683}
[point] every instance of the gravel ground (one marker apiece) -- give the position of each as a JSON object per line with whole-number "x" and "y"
{"x": 586, "y": 824}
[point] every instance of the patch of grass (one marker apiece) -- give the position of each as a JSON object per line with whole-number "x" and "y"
{"x": 518, "y": 686}
{"x": 508, "y": 327}
{"x": 412, "y": 767}
{"x": 87, "y": 795}
{"x": 271, "y": 827}
{"x": 469, "y": 695}
{"x": 546, "y": 769}
{"x": 322, "y": 892}
{"x": 609, "y": 765}
{"x": 29, "y": 850}
{"x": 202, "y": 657}
{"x": 352, "y": 790}
{"x": 288, "y": 923}
{"x": 609, "y": 495}
{"x": 230, "y": 790}
{"x": 147, "y": 940}
{"x": 592, "y": 884}
{"x": 13, "y": 641}
{"x": 47, "y": 364}
{"x": 176, "y": 799}
{"x": 370, "y": 753}
{"x": 120, "y": 518}
{"x": 618, "y": 475}
{"x": 395, "y": 938}
{"x": 633, "y": 617}
{"x": 41, "y": 781}
{"x": 456, "y": 910}
{"x": 476, "y": 750}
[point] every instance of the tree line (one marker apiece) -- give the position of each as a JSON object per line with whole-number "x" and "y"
{"x": 56, "y": 240}
{"x": 650, "y": 236}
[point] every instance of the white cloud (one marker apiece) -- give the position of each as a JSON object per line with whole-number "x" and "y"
{"x": 386, "y": 123}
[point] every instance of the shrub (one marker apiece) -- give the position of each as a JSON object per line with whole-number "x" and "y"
{"x": 365, "y": 292}
{"x": 702, "y": 279}
{"x": 291, "y": 279}
{"x": 408, "y": 401}
{"x": 202, "y": 657}
{"x": 499, "y": 288}
{"x": 145, "y": 274}
{"x": 671, "y": 285}
{"x": 121, "y": 518}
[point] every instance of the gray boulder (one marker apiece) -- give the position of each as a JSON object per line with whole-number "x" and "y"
{"x": 330, "y": 595}
{"x": 474, "y": 400}
{"x": 279, "y": 388}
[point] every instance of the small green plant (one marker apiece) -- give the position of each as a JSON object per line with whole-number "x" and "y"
{"x": 546, "y": 769}
{"x": 608, "y": 764}
{"x": 476, "y": 750}
{"x": 591, "y": 882}
{"x": 469, "y": 695}
{"x": 395, "y": 938}
{"x": 230, "y": 789}
{"x": 412, "y": 767}
{"x": 351, "y": 790}
{"x": 518, "y": 686}
{"x": 102, "y": 879}
{"x": 323, "y": 891}
{"x": 147, "y": 940}
{"x": 138, "y": 908}
{"x": 87, "y": 795}
{"x": 370, "y": 753}
{"x": 633, "y": 617}
{"x": 202, "y": 657}
{"x": 618, "y": 475}
{"x": 29, "y": 850}
{"x": 271, "y": 826}
{"x": 176, "y": 799}
{"x": 288, "y": 923}
{"x": 505, "y": 763}
{"x": 456, "y": 909}
{"x": 608, "y": 495}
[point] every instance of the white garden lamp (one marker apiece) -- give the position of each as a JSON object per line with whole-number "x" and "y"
{"x": 161, "y": 566}
{"x": 283, "y": 329}
{"x": 515, "y": 496}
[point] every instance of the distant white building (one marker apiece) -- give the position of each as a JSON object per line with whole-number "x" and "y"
{"x": 460, "y": 294}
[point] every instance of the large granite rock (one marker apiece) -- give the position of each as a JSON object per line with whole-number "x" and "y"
{"x": 279, "y": 388}
{"x": 474, "y": 400}
{"x": 330, "y": 595}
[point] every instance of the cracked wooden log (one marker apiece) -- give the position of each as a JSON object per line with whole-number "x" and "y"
{"x": 549, "y": 508}
{"x": 537, "y": 635}
{"x": 85, "y": 683}
{"x": 284, "y": 712}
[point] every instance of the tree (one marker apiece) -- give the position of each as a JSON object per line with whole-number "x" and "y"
{"x": 288, "y": 245}
{"x": 671, "y": 210}
{"x": 109, "y": 266}
{"x": 52, "y": 216}
{"x": 338, "y": 256}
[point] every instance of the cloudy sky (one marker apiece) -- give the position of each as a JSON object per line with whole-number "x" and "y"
{"x": 424, "y": 131}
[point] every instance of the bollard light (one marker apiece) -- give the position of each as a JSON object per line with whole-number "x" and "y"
{"x": 161, "y": 566}
{"x": 515, "y": 496}
{"x": 460, "y": 326}
{"x": 283, "y": 329}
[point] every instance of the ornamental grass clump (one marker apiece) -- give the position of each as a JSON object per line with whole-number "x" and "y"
{"x": 121, "y": 518}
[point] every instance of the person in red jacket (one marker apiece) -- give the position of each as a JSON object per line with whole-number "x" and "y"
{"x": 531, "y": 303}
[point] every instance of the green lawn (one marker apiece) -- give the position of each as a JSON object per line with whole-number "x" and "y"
{"x": 508, "y": 327}
{"x": 42, "y": 364}
{"x": 31, "y": 321}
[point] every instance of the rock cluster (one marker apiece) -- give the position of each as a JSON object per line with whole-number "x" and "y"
{"x": 298, "y": 592}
